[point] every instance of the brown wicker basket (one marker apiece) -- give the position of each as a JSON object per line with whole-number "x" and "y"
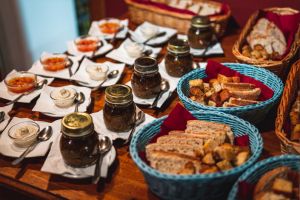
{"x": 281, "y": 67}
{"x": 289, "y": 95}
{"x": 139, "y": 13}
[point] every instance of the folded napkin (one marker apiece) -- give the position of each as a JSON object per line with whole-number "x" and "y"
{"x": 5, "y": 94}
{"x": 214, "y": 68}
{"x": 215, "y": 49}
{"x": 95, "y": 30}
{"x": 37, "y": 68}
{"x": 46, "y": 105}
{"x": 54, "y": 164}
{"x": 7, "y": 148}
{"x": 82, "y": 74}
{"x": 245, "y": 190}
{"x": 101, "y": 128}
{"x": 121, "y": 55}
{"x": 138, "y": 36}
{"x": 72, "y": 49}
{"x": 5, "y": 109}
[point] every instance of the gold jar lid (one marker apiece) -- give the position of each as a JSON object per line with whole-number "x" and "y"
{"x": 118, "y": 94}
{"x": 145, "y": 65}
{"x": 178, "y": 46}
{"x": 77, "y": 124}
{"x": 200, "y": 22}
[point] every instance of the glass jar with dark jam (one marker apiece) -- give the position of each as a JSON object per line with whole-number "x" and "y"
{"x": 200, "y": 33}
{"x": 119, "y": 108}
{"x": 146, "y": 79}
{"x": 178, "y": 60}
{"x": 79, "y": 141}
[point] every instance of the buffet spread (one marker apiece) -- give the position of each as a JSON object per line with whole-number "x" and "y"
{"x": 208, "y": 142}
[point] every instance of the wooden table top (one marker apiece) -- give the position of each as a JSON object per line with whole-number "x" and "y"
{"x": 125, "y": 181}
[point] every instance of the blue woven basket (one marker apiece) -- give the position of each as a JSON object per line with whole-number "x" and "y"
{"x": 205, "y": 186}
{"x": 253, "y": 113}
{"x": 253, "y": 174}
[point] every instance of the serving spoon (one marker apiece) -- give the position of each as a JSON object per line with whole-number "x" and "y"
{"x": 80, "y": 98}
{"x": 160, "y": 34}
{"x": 38, "y": 86}
{"x": 110, "y": 75}
{"x": 139, "y": 118}
{"x": 104, "y": 146}
{"x": 164, "y": 86}
{"x": 42, "y": 136}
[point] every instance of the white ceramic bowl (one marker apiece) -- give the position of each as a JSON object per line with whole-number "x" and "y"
{"x": 63, "y": 97}
{"x": 97, "y": 71}
{"x": 133, "y": 49}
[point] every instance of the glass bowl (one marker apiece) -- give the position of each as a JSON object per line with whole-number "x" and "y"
{"x": 87, "y": 43}
{"x": 20, "y": 82}
{"x": 97, "y": 71}
{"x": 133, "y": 49}
{"x": 63, "y": 97}
{"x": 110, "y": 26}
{"x": 54, "y": 62}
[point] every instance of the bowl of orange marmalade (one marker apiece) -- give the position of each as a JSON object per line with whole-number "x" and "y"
{"x": 54, "y": 62}
{"x": 110, "y": 26}
{"x": 87, "y": 44}
{"x": 20, "y": 82}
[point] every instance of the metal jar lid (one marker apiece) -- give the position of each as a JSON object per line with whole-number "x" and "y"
{"x": 145, "y": 65}
{"x": 118, "y": 94}
{"x": 178, "y": 46}
{"x": 200, "y": 22}
{"x": 77, "y": 124}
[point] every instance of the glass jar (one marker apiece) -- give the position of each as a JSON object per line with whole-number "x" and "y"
{"x": 200, "y": 33}
{"x": 79, "y": 141}
{"x": 146, "y": 79}
{"x": 119, "y": 108}
{"x": 178, "y": 60}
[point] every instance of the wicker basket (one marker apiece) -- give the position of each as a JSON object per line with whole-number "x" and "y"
{"x": 253, "y": 113}
{"x": 281, "y": 67}
{"x": 197, "y": 186}
{"x": 254, "y": 173}
{"x": 289, "y": 94}
{"x": 139, "y": 13}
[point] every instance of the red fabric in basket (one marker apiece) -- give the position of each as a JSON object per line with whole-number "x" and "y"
{"x": 245, "y": 190}
{"x": 224, "y": 8}
{"x": 214, "y": 68}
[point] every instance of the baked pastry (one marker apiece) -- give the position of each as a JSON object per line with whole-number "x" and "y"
{"x": 295, "y": 119}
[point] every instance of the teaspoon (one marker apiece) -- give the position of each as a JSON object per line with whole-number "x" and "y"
{"x": 139, "y": 118}
{"x": 155, "y": 36}
{"x": 79, "y": 100}
{"x": 112, "y": 74}
{"x": 164, "y": 86}
{"x": 2, "y": 116}
{"x": 42, "y": 136}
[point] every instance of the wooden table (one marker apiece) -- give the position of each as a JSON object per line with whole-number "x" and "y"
{"x": 125, "y": 181}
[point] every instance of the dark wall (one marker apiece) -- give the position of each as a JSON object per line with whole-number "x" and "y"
{"x": 115, "y": 8}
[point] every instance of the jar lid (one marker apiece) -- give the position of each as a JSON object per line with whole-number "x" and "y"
{"x": 77, "y": 124}
{"x": 178, "y": 46}
{"x": 145, "y": 65}
{"x": 200, "y": 21}
{"x": 118, "y": 94}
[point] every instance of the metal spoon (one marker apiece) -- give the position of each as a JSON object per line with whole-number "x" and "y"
{"x": 80, "y": 98}
{"x": 155, "y": 36}
{"x": 164, "y": 86}
{"x": 42, "y": 136}
{"x": 105, "y": 145}
{"x": 2, "y": 116}
{"x": 148, "y": 52}
{"x": 116, "y": 33}
{"x": 110, "y": 75}
{"x": 139, "y": 118}
{"x": 38, "y": 86}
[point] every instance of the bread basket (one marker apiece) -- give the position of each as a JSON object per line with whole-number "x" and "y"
{"x": 253, "y": 174}
{"x": 279, "y": 67}
{"x": 139, "y": 13}
{"x": 292, "y": 85}
{"x": 253, "y": 113}
{"x": 199, "y": 186}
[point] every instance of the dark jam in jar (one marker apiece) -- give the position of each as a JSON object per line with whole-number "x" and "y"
{"x": 200, "y": 33}
{"x": 146, "y": 79}
{"x": 79, "y": 141}
{"x": 119, "y": 108}
{"x": 178, "y": 60}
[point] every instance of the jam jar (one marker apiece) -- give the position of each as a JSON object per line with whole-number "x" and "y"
{"x": 200, "y": 33}
{"x": 146, "y": 79}
{"x": 119, "y": 108}
{"x": 178, "y": 60}
{"x": 79, "y": 141}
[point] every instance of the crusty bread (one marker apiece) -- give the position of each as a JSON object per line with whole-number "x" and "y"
{"x": 241, "y": 102}
{"x": 173, "y": 163}
{"x": 238, "y": 86}
{"x": 269, "y": 196}
{"x": 180, "y": 140}
{"x": 228, "y": 105}
{"x": 246, "y": 94}
{"x": 226, "y": 79}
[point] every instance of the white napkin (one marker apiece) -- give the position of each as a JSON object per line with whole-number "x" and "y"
{"x": 72, "y": 49}
{"x": 83, "y": 75}
{"x": 216, "y": 49}
{"x": 37, "y": 68}
{"x": 5, "y": 109}
{"x": 138, "y": 36}
{"x": 121, "y": 55}
{"x": 101, "y": 128}
{"x": 46, "y": 105}
{"x": 95, "y": 30}
{"x": 7, "y": 147}
{"x": 5, "y": 94}
{"x": 54, "y": 163}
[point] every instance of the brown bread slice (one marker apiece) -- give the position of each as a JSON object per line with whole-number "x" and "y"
{"x": 241, "y": 102}
{"x": 238, "y": 86}
{"x": 252, "y": 94}
{"x": 180, "y": 140}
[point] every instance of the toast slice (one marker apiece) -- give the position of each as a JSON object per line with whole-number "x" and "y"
{"x": 252, "y": 94}
{"x": 180, "y": 140}
{"x": 238, "y": 86}
{"x": 241, "y": 102}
